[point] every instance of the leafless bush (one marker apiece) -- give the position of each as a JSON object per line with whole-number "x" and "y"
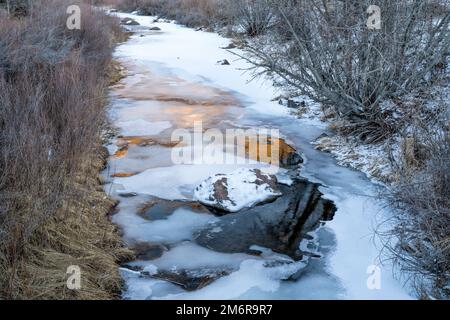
{"x": 325, "y": 50}
{"x": 52, "y": 85}
{"x": 254, "y": 16}
{"x": 145, "y": 7}
{"x": 192, "y": 13}
{"x": 421, "y": 237}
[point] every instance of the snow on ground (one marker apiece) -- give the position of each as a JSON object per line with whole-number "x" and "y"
{"x": 243, "y": 187}
{"x": 346, "y": 244}
{"x": 375, "y": 159}
{"x": 372, "y": 159}
{"x": 359, "y": 248}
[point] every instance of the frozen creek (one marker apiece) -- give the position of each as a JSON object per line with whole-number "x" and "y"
{"x": 175, "y": 79}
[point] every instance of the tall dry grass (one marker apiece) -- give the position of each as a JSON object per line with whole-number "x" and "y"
{"x": 192, "y": 13}
{"x": 53, "y": 212}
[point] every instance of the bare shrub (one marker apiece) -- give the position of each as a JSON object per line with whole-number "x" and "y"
{"x": 421, "y": 236}
{"x": 325, "y": 50}
{"x": 192, "y": 13}
{"x": 145, "y": 7}
{"x": 254, "y": 16}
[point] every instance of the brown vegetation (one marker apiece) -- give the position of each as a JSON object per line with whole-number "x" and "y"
{"x": 189, "y": 12}
{"x": 53, "y": 211}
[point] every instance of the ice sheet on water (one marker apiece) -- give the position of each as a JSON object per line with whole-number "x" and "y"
{"x": 252, "y": 273}
{"x": 247, "y": 272}
{"x": 354, "y": 225}
{"x": 191, "y": 256}
{"x": 172, "y": 182}
{"x": 177, "y": 227}
{"x": 141, "y": 127}
{"x": 197, "y": 53}
{"x": 138, "y": 288}
{"x": 311, "y": 286}
{"x": 285, "y": 179}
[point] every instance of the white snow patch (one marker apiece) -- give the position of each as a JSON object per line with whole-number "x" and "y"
{"x": 371, "y": 159}
{"x": 244, "y": 188}
{"x": 112, "y": 148}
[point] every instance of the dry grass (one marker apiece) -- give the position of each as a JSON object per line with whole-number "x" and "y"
{"x": 81, "y": 234}
{"x": 53, "y": 211}
{"x": 115, "y": 72}
{"x": 193, "y": 13}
